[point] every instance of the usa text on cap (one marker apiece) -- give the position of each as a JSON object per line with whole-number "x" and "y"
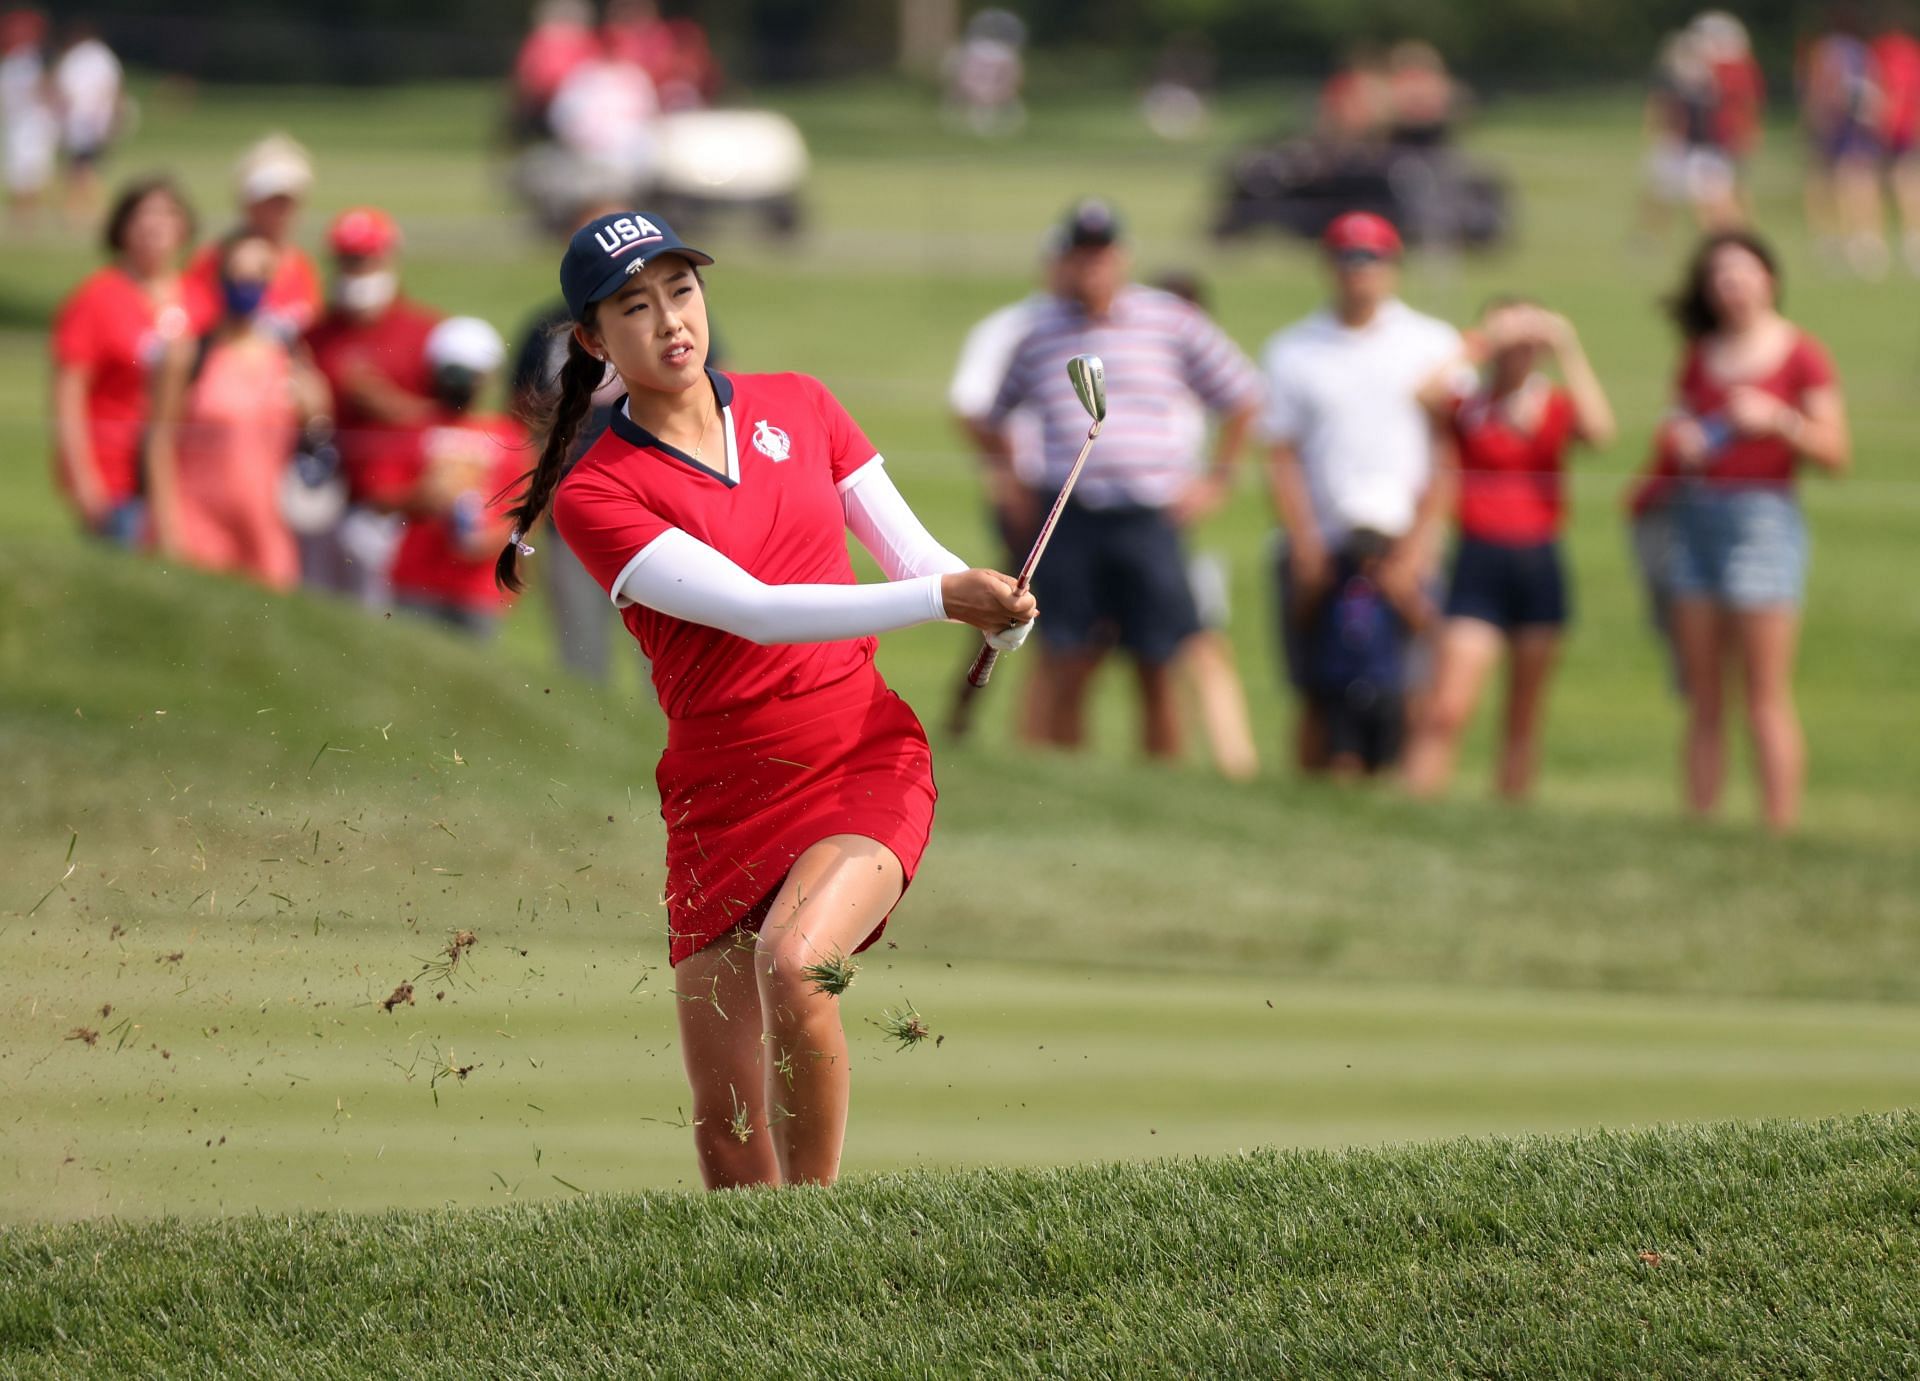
{"x": 363, "y": 232}
{"x": 1362, "y": 232}
{"x": 605, "y": 252}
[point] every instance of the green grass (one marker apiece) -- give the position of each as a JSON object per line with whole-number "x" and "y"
{"x": 303, "y": 804}
{"x": 1775, "y": 1249}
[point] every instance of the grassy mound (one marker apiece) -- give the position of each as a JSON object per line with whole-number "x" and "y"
{"x": 1774, "y": 1249}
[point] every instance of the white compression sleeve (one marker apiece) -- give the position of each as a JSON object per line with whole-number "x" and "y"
{"x": 878, "y": 515}
{"x": 682, "y": 576}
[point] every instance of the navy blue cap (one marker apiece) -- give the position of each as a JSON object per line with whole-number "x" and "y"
{"x": 603, "y": 253}
{"x": 1089, "y": 224}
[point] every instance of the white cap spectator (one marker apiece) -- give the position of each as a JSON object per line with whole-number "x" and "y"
{"x": 466, "y": 342}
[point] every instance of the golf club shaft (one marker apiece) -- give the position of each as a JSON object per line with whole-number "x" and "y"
{"x": 982, "y": 668}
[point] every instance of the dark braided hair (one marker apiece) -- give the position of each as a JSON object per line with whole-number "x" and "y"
{"x": 571, "y": 400}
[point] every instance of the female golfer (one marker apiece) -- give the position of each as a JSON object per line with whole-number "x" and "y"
{"x": 1508, "y": 589}
{"x": 796, "y": 788}
{"x": 1756, "y": 397}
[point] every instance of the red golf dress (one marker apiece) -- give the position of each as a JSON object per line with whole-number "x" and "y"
{"x": 770, "y": 749}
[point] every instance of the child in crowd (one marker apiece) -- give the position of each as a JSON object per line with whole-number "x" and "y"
{"x": 1356, "y": 653}
{"x": 449, "y": 477}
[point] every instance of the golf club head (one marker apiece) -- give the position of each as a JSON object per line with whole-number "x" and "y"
{"x": 1090, "y": 382}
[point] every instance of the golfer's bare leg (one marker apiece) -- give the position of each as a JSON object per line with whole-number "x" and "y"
{"x": 838, "y": 892}
{"x": 721, "y": 1040}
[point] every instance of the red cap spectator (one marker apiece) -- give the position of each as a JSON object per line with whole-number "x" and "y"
{"x": 363, "y": 232}
{"x": 1362, "y": 232}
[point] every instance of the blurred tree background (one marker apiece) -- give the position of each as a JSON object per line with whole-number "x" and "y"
{"x": 1511, "y": 44}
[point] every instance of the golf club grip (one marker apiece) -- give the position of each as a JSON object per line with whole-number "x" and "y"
{"x": 982, "y": 669}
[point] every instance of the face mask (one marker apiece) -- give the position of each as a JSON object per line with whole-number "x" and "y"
{"x": 242, "y": 296}
{"x": 365, "y": 292}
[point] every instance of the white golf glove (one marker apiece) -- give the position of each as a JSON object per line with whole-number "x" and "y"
{"x": 1010, "y": 639}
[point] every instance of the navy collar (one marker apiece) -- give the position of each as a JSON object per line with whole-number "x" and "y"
{"x": 634, "y": 434}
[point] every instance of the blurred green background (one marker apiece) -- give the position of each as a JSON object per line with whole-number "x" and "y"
{"x": 275, "y": 810}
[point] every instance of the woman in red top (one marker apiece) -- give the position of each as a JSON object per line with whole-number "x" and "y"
{"x": 796, "y": 788}
{"x": 107, "y": 338}
{"x": 1756, "y": 396}
{"x": 1508, "y": 589}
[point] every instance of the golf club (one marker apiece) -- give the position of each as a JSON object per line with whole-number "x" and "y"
{"x": 1089, "y": 378}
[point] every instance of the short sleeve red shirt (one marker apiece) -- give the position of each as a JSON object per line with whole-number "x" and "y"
{"x": 448, "y": 558}
{"x": 394, "y": 345}
{"x": 112, "y": 330}
{"x": 1512, "y": 489}
{"x": 1761, "y": 460}
{"x": 772, "y": 507}
{"x": 292, "y": 300}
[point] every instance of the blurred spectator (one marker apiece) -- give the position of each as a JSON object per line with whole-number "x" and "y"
{"x": 1206, "y": 665}
{"x": 606, "y": 115}
{"x": 1840, "y": 102}
{"x": 986, "y": 73}
{"x": 1116, "y": 569}
{"x": 371, "y": 346}
{"x": 228, "y": 407}
{"x": 1896, "y": 58}
{"x": 451, "y": 477}
{"x": 1356, "y": 102}
{"x": 87, "y": 81}
{"x": 1422, "y": 98}
{"x": 27, "y": 107}
{"x": 1689, "y": 161}
{"x": 582, "y": 619}
{"x": 271, "y": 181}
{"x": 1176, "y": 103}
{"x": 674, "y": 53}
{"x": 1354, "y": 660}
{"x": 1508, "y": 588}
{"x": 1739, "y": 94}
{"x": 1353, "y": 449}
{"x": 1755, "y": 397}
{"x": 106, "y": 338}
{"x": 560, "y": 40}
{"x": 1011, "y": 472}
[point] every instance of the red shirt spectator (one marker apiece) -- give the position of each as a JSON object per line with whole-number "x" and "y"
{"x": 453, "y": 475}
{"x": 114, "y": 333}
{"x": 372, "y": 347}
{"x": 1897, "y": 57}
{"x": 392, "y": 346}
{"x": 1740, "y": 93}
{"x": 561, "y": 39}
{"x": 1511, "y": 471}
{"x": 1749, "y": 460}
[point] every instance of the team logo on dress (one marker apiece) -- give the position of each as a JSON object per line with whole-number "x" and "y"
{"x": 771, "y": 442}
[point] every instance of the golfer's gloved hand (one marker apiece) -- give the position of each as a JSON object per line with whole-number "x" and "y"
{"x": 1010, "y": 639}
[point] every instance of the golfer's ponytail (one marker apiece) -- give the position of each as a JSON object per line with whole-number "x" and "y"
{"x": 559, "y": 422}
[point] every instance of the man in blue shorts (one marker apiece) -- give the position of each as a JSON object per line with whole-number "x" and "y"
{"x": 1116, "y": 571}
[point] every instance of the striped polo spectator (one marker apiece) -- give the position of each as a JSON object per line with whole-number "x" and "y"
{"x": 1116, "y": 571}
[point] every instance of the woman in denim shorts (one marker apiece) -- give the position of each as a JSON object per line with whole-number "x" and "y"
{"x": 1756, "y": 396}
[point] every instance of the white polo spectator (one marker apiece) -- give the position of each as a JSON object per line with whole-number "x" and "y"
{"x": 1353, "y": 456}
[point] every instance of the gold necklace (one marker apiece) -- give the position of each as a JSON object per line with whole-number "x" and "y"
{"x": 706, "y": 427}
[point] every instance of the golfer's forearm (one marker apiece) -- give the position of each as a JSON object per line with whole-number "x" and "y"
{"x": 683, "y": 577}
{"x": 877, "y": 514}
